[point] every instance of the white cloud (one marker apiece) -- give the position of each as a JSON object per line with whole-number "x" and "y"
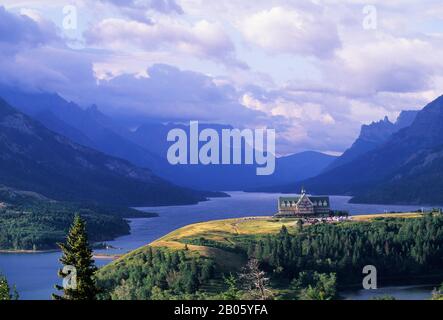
{"x": 282, "y": 30}
{"x": 202, "y": 38}
{"x": 304, "y": 112}
{"x": 354, "y": 76}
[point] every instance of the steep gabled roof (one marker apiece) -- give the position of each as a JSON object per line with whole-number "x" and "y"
{"x": 296, "y": 199}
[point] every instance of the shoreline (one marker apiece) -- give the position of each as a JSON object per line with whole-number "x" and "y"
{"x": 9, "y": 251}
{"x": 99, "y": 256}
{"x": 107, "y": 257}
{"x": 355, "y": 218}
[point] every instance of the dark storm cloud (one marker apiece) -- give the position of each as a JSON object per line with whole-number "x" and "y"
{"x": 19, "y": 32}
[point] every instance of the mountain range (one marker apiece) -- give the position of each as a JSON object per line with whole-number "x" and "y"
{"x": 400, "y": 163}
{"x": 146, "y": 146}
{"x": 390, "y": 162}
{"x": 372, "y": 136}
{"x": 34, "y": 158}
{"x": 288, "y": 169}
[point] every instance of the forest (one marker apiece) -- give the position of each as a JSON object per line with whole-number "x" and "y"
{"x": 30, "y": 223}
{"x": 398, "y": 248}
{"x": 157, "y": 275}
{"x": 302, "y": 262}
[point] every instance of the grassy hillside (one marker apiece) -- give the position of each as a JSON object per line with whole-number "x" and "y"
{"x": 403, "y": 246}
{"x": 218, "y": 239}
{"x": 221, "y": 237}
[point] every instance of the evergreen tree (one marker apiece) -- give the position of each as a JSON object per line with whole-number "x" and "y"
{"x": 77, "y": 254}
{"x": 5, "y": 290}
{"x": 233, "y": 292}
{"x": 315, "y": 286}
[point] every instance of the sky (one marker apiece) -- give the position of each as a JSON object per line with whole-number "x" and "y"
{"x": 314, "y": 71}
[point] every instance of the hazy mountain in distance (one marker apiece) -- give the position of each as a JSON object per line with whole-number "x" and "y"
{"x": 298, "y": 167}
{"x": 147, "y": 145}
{"x": 33, "y": 158}
{"x": 372, "y": 136}
{"x": 88, "y": 127}
{"x": 228, "y": 178}
{"x": 405, "y": 169}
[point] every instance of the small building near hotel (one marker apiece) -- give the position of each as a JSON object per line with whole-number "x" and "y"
{"x": 303, "y": 205}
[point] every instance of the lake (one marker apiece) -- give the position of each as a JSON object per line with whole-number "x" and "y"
{"x": 36, "y": 274}
{"x": 416, "y": 292}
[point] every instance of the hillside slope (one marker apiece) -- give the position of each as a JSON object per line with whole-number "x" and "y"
{"x": 196, "y": 261}
{"x": 36, "y": 159}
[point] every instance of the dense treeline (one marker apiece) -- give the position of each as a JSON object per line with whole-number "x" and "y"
{"x": 29, "y": 221}
{"x": 31, "y": 202}
{"x": 156, "y": 274}
{"x": 43, "y": 229}
{"x": 397, "y": 247}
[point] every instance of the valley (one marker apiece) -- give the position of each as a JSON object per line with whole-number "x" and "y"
{"x": 35, "y": 274}
{"x": 217, "y": 150}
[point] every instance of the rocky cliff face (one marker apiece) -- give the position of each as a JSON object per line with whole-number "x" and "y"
{"x": 406, "y": 168}
{"x": 374, "y": 135}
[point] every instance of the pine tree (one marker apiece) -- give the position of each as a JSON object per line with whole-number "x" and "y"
{"x": 77, "y": 254}
{"x": 233, "y": 292}
{"x": 5, "y": 290}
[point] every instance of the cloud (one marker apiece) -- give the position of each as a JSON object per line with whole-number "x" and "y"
{"x": 19, "y": 32}
{"x": 170, "y": 93}
{"x": 304, "y": 112}
{"x": 140, "y": 10}
{"x": 282, "y": 30}
{"x": 385, "y": 64}
{"x": 203, "y": 39}
{"x": 153, "y": 59}
{"x": 21, "y": 36}
{"x": 305, "y": 120}
{"x": 163, "y": 6}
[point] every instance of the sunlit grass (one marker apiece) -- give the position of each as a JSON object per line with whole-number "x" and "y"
{"x": 226, "y": 232}
{"x": 387, "y": 215}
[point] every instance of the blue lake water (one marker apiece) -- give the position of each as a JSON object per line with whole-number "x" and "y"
{"x": 418, "y": 292}
{"x": 36, "y": 274}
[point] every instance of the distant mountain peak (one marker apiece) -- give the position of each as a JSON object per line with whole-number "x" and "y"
{"x": 374, "y": 135}
{"x": 37, "y": 159}
{"x": 404, "y": 169}
{"x": 377, "y": 131}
